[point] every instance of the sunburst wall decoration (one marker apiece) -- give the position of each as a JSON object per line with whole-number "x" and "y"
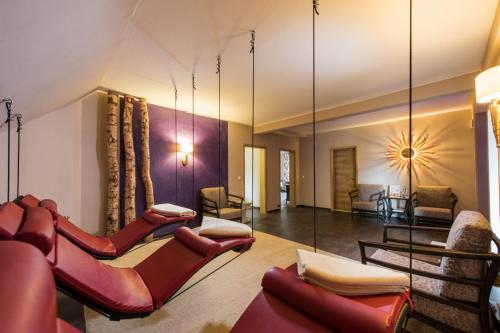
{"x": 419, "y": 156}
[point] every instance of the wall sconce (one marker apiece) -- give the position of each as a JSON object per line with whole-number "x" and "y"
{"x": 402, "y": 157}
{"x": 488, "y": 91}
{"x": 185, "y": 149}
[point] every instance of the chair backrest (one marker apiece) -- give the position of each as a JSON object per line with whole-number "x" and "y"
{"x": 433, "y": 196}
{"x": 470, "y": 232}
{"x": 367, "y": 190}
{"x": 212, "y": 193}
{"x": 11, "y": 218}
{"x": 27, "y": 290}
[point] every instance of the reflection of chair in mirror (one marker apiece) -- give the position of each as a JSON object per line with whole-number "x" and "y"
{"x": 433, "y": 204}
{"x": 454, "y": 296}
{"x": 368, "y": 198}
{"x": 215, "y": 202}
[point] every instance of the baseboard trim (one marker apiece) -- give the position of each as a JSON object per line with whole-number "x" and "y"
{"x": 308, "y": 206}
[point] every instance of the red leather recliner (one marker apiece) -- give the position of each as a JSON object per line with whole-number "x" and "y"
{"x": 104, "y": 247}
{"x": 288, "y": 304}
{"x": 27, "y": 292}
{"x": 115, "y": 292}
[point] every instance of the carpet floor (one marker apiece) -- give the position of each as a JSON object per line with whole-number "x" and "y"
{"x": 215, "y": 303}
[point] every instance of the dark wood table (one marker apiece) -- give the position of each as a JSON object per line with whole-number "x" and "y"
{"x": 403, "y": 211}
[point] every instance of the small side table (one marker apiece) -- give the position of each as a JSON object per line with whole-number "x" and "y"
{"x": 402, "y": 208}
{"x": 245, "y": 207}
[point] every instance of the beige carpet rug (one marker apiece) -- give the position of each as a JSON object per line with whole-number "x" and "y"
{"x": 214, "y": 304}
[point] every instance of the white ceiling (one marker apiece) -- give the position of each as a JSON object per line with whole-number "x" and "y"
{"x": 55, "y": 51}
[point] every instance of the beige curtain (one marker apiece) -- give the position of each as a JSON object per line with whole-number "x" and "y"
{"x": 128, "y": 142}
{"x": 113, "y": 163}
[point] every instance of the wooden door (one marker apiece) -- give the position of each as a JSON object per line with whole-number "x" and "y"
{"x": 345, "y": 176}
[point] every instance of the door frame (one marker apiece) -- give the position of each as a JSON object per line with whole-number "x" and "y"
{"x": 292, "y": 176}
{"x": 263, "y": 181}
{"x": 332, "y": 173}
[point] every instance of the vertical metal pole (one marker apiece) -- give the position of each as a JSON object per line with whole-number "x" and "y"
{"x": 252, "y": 51}
{"x": 314, "y": 13}
{"x": 192, "y": 127}
{"x": 410, "y": 105}
{"x": 19, "y": 127}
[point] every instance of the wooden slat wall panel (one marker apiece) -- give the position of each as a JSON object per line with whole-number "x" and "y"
{"x": 345, "y": 171}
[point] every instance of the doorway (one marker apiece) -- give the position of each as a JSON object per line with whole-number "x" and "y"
{"x": 287, "y": 178}
{"x": 344, "y": 176}
{"x": 258, "y": 180}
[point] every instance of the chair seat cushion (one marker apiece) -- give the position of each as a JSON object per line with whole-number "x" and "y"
{"x": 118, "y": 289}
{"x": 220, "y": 228}
{"x": 433, "y": 212}
{"x": 228, "y": 213}
{"x": 365, "y": 205}
{"x": 98, "y": 245}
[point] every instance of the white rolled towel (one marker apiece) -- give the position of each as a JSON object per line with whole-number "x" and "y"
{"x": 167, "y": 209}
{"x": 348, "y": 277}
{"x": 220, "y": 228}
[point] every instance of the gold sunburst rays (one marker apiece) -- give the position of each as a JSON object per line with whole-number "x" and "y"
{"x": 401, "y": 157}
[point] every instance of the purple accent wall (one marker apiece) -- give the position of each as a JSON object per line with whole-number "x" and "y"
{"x": 169, "y": 187}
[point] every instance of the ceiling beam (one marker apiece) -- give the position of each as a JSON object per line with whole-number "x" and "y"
{"x": 492, "y": 54}
{"x": 456, "y": 84}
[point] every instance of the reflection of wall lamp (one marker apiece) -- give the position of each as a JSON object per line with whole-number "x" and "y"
{"x": 488, "y": 91}
{"x": 185, "y": 149}
{"x": 402, "y": 157}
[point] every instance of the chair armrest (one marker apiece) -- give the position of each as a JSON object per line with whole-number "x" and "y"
{"x": 238, "y": 203}
{"x": 453, "y": 201}
{"x": 377, "y": 196}
{"x": 413, "y": 199}
{"x": 354, "y": 193}
{"x": 433, "y": 251}
{"x": 387, "y": 227}
{"x": 207, "y": 203}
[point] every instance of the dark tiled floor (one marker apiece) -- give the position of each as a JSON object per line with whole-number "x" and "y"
{"x": 336, "y": 232}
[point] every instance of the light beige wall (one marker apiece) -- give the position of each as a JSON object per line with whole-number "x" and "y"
{"x": 453, "y": 160}
{"x": 93, "y": 175}
{"x": 50, "y": 159}
{"x": 62, "y": 160}
{"x": 239, "y": 135}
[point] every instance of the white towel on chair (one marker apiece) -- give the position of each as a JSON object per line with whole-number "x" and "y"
{"x": 348, "y": 277}
{"x": 167, "y": 209}
{"x": 221, "y": 228}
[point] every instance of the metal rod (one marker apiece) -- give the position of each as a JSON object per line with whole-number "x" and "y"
{"x": 252, "y": 51}
{"x": 192, "y": 119}
{"x": 314, "y": 13}
{"x": 410, "y": 104}
{"x": 8, "y": 105}
{"x": 218, "y": 73}
{"x": 176, "y": 145}
{"x": 19, "y": 128}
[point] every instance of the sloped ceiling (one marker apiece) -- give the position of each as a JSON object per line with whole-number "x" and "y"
{"x": 53, "y": 51}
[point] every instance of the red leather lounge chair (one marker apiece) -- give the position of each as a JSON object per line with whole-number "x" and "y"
{"x": 27, "y": 292}
{"x": 98, "y": 246}
{"x": 288, "y": 304}
{"x": 115, "y": 292}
